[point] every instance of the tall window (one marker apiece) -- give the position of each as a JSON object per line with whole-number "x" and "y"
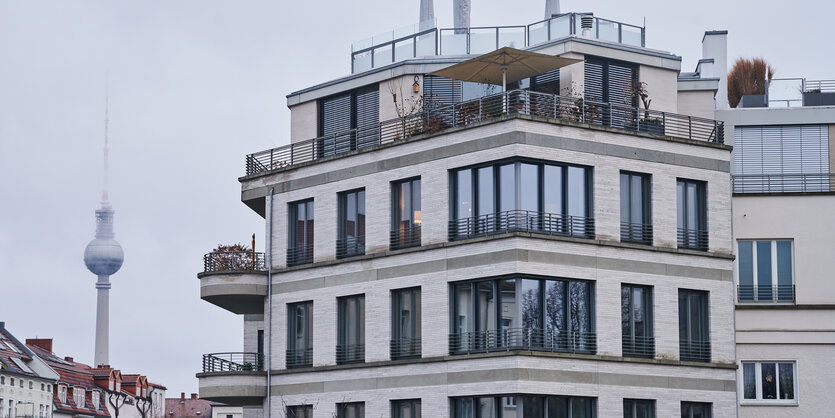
{"x": 349, "y": 121}
{"x": 523, "y": 313}
{"x": 696, "y": 410}
{"x": 765, "y": 271}
{"x": 509, "y": 406}
{"x": 350, "y": 410}
{"x": 610, "y": 81}
{"x": 350, "y": 239}
{"x": 300, "y": 334}
{"x": 692, "y": 214}
{"x": 636, "y": 321}
{"x": 350, "y": 345}
{"x": 635, "y": 208}
{"x": 638, "y": 408}
{"x": 769, "y": 381}
{"x": 405, "y": 323}
{"x": 62, "y": 393}
{"x": 95, "y": 397}
{"x": 521, "y": 196}
{"x": 300, "y": 247}
{"x": 406, "y": 216}
{"x": 693, "y": 330}
{"x": 78, "y": 397}
{"x": 405, "y": 409}
{"x": 300, "y": 411}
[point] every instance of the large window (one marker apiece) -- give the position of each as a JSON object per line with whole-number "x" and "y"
{"x": 405, "y": 323}
{"x": 524, "y": 406}
{"x": 350, "y": 345}
{"x": 349, "y": 121}
{"x": 350, "y": 410}
{"x": 523, "y": 313}
{"x": 765, "y": 271}
{"x": 300, "y": 246}
{"x": 610, "y": 81}
{"x": 300, "y": 334}
{"x": 350, "y": 238}
{"x": 406, "y": 216}
{"x": 769, "y": 381}
{"x": 692, "y": 214}
{"x": 636, "y": 321}
{"x": 300, "y": 411}
{"x": 638, "y": 408}
{"x": 693, "y": 329}
{"x": 405, "y": 408}
{"x": 635, "y": 208}
{"x": 696, "y": 410}
{"x": 521, "y": 196}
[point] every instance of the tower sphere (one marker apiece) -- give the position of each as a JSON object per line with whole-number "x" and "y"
{"x": 103, "y": 256}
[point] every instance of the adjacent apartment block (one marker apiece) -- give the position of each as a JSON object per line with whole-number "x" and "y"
{"x": 26, "y": 381}
{"x": 442, "y": 248}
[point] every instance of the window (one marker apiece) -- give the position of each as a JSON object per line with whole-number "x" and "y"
{"x": 521, "y": 196}
{"x": 62, "y": 393}
{"x": 31, "y": 385}
{"x": 350, "y": 345}
{"x": 78, "y": 397}
{"x": 405, "y": 323}
{"x": 692, "y": 214}
{"x": 693, "y": 330}
{"x": 765, "y": 271}
{"x": 635, "y": 208}
{"x": 299, "y": 334}
{"x": 350, "y": 239}
{"x": 509, "y": 406}
{"x": 350, "y": 410}
{"x": 95, "y": 397}
{"x": 638, "y": 408}
{"x": 21, "y": 383}
{"x": 636, "y": 321}
{"x": 407, "y": 214}
{"x": 349, "y": 121}
{"x": 405, "y": 408}
{"x": 42, "y": 386}
{"x": 523, "y": 313}
{"x": 769, "y": 381}
{"x": 300, "y": 247}
{"x": 610, "y": 81}
{"x": 299, "y": 411}
{"x": 696, "y": 410}
{"x": 11, "y": 381}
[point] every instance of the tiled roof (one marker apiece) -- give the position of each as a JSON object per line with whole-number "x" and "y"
{"x": 73, "y": 374}
{"x": 187, "y": 408}
{"x": 11, "y": 348}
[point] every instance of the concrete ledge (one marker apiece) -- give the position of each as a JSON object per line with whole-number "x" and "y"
{"x": 236, "y": 389}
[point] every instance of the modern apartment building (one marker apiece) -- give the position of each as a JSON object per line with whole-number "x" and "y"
{"x": 26, "y": 381}
{"x": 443, "y": 248}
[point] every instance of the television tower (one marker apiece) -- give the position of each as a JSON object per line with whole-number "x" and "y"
{"x": 103, "y": 257}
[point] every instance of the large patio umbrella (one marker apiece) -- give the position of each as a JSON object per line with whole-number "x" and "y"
{"x": 503, "y": 66}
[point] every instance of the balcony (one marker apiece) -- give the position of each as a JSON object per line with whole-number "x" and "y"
{"x": 792, "y": 92}
{"x": 300, "y": 255}
{"x": 784, "y": 183}
{"x": 546, "y": 107}
{"x": 405, "y": 237}
{"x": 350, "y": 246}
{"x": 642, "y": 347}
{"x": 523, "y": 339}
{"x": 692, "y": 239}
{"x": 296, "y": 358}
{"x": 782, "y": 293}
{"x": 638, "y": 233}
{"x": 521, "y": 221}
{"x": 233, "y": 378}
{"x": 405, "y": 348}
{"x": 695, "y": 350}
{"x": 235, "y": 281}
{"x": 350, "y": 353}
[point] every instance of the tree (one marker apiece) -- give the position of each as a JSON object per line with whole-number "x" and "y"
{"x": 748, "y": 76}
{"x": 145, "y": 404}
{"x": 116, "y": 400}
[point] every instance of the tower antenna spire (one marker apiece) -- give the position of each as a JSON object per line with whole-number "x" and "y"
{"x": 104, "y": 195}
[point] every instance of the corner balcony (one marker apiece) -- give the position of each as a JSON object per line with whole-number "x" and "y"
{"x": 549, "y": 108}
{"x": 235, "y": 379}
{"x": 235, "y": 281}
{"x": 783, "y": 183}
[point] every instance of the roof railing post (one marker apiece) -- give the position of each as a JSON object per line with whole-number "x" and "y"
{"x": 272, "y": 150}
{"x": 690, "y": 126}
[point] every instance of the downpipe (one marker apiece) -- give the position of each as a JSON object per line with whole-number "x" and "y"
{"x": 269, "y": 261}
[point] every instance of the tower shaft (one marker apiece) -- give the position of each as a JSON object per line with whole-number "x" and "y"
{"x": 102, "y": 321}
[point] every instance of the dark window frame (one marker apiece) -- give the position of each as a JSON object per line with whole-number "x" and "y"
{"x": 521, "y": 399}
{"x": 299, "y": 411}
{"x": 301, "y": 251}
{"x": 346, "y": 247}
{"x": 690, "y": 348}
{"x": 696, "y": 238}
{"x": 414, "y": 405}
{"x": 638, "y": 346}
{"x": 406, "y": 346}
{"x": 640, "y": 233}
{"x": 294, "y": 358}
{"x": 357, "y": 409}
{"x": 409, "y": 235}
{"x": 687, "y": 409}
{"x": 358, "y": 136}
{"x": 350, "y": 348}
{"x": 630, "y": 407}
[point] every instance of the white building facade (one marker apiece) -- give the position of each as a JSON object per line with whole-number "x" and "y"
{"x": 26, "y": 381}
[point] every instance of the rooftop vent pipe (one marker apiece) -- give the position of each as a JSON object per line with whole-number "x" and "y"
{"x": 586, "y": 22}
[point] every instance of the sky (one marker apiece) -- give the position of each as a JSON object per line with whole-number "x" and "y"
{"x": 194, "y": 86}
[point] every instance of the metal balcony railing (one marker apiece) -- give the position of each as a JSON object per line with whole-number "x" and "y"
{"x": 777, "y": 293}
{"x": 570, "y": 24}
{"x": 523, "y": 339}
{"x": 521, "y": 221}
{"x": 405, "y": 237}
{"x": 299, "y": 358}
{"x": 694, "y": 350}
{"x": 234, "y": 261}
{"x": 549, "y": 107}
{"x": 784, "y": 183}
{"x": 350, "y": 353}
{"x": 232, "y": 362}
{"x": 639, "y": 233}
{"x": 300, "y": 255}
{"x": 693, "y": 239}
{"x": 405, "y": 348}
{"x": 350, "y": 246}
{"x": 643, "y": 347}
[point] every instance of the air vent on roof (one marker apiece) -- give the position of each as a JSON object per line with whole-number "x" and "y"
{"x": 586, "y": 23}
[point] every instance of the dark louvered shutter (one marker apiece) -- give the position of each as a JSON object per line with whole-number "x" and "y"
{"x": 594, "y": 83}
{"x": 336, "y": 126}
{"x": 621, "y": 79}
{"x": 368, "y": 117}
{"x": 547, "y": 83}
{"x": 441, "y": 91}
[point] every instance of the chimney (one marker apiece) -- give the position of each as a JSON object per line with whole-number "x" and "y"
{"x": 182, "y": 396}
{"x": 715, "y": 47}
{"x": 193, "y": 396}
{"x": 461, "y": 14}
{"x": 45, "y": 343}
{"x": 68, "y": 358}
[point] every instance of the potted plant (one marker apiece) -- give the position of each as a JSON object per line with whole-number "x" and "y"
{"x": 648, "y": 124}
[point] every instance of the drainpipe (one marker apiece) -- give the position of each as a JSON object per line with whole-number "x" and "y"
{"x": 269, "y": 261}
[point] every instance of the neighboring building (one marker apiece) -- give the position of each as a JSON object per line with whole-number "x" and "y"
{"x": 783, "y": 224}
{"x": 26, "y": 381}
{"x": 553, "y": 248}
{"x": 225, "y": 411}
{"x": 192, "y": 407}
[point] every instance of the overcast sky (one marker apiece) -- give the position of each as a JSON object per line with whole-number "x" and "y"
{"x": 194, "y": 86}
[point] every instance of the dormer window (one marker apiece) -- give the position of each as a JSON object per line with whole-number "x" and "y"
{"x": 96, "y": 400}
{"x": 62, "y": 393}
{"x": 78, "y": 396}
